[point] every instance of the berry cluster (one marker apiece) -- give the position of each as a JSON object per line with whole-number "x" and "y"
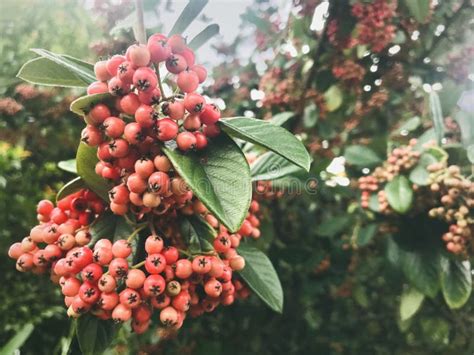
{"x": 61, "y": 229}
{"x": 374, "y": 26}
{"x": 401, "y": 160}
{"x": 129, "y": 132}
{"x": 102, "y": 280}
{"x": 456, "y": 196}
{"x": 448, "y": 195}
{"x": 142, "y": 115}
{"x": 154, "y": 268}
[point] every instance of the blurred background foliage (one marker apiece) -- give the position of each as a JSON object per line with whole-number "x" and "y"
{"x": 344, "y": 82}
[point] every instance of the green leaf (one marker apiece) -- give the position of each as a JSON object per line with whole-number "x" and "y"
{"x": 219, "y": 176}
{"x": 261, "y": 277}
{"x": 57, "y": 70}
{"x": 422, "y": 270}
{"x": 265, "y": 134}
{"x": 271, "y": 166}
{"x": 44, "y": 71}
{"x": 437, "y": 116}
{"x": 420, "y": 174}
{"x": 82, "y": 105}
{"x": 456, "y": 282}
{"x": 399, "y": 194}
{"x": 71, "y": 187}
{"x": 410, "y": 303}
{"x": 470, "y": 153}
{"x": 332, "y": 226}
{"x": 110, "y": 226}
{"x": 204, "y": 36}
{"x": 281, "y": 118}
{"x": 188, "y": 15}
{"x": 333, "y": 97}
{"x": 68, "y": 165}
{"x": 197, "y": 233}
{"x": 94, "y": 335}
{"x": 360, "y": 155}
{"x": 366, "y": 234}
{"x": 17, "y": 340}
{"x": 86, "y": 159}
{"x": 435, "y": 331}
{"x": 465, "y": 121}
{"x": 419, "y": 9}
{"x": 310, "y": 116}
{"x": 410, "y": 125}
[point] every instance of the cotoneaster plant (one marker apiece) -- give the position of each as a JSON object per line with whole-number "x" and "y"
{"x": 160, "y": 218}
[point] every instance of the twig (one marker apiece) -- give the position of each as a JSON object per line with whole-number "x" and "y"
{"x": 140, "y": 33}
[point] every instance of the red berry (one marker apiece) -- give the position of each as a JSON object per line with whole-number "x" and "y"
{"x": 107, "y": 283}
{"x": 142, "y": 313}
{"x": 210, "y": 114}
{"x": 201, "y": 140}
{"x": 144, "y": 167}
{"x": 139, "y": 55}
{"x": 188, "y": 81}
{"x": 167, "y": 129}
{"x": 171, "y": 255}
{"x": 97, "y": 87}
{"x": 98, "y": 114}
{"x": 201, "y": 264}
{"x": 174, "y": 109}
{"x": 125, "y": 72}
{"x": 145, "y": 79}
{"x": 213, "y": 288}
{"x": 186, "y": 141}
{"x": 118, "y": 148}
{"x": 154, "y": 285}
{"x": 188, "y": 54}
{"x": 135, "y": 278}
{"x": 113, "y": 64}
{"x": 162, "y": 163}
{"x": 119, "y": 194}
{"x": 192, "y": 123}
{"x": 200, "y": 71}
{"x": 153, "y": 244}
{"x": 44, "y": 207}
{"x": 130, "y": 298}
{"x": 237, "y": 263}
{"x": 118, "y": 87}
{"x": 121, "y": 249}
{"x": 194, "y": 103}
{"x": 146, "y": 116}
{"x": 222, "y": 243}
{"x": 118, "y": 209}
{"x": 133, "y": 133}
{"x": 169, "y": 316}
{"x": 108, "y": 300}
{"x": 182, "y": 301}
{"x": 136, "y": 184}
{"x": 177, "y": 43}
{"x": 155, "y": 263}
{"x": 159, "y": 49}
{"x": 91, "y": 136}
{"x": 121, "y": 313}
{"x": 150, "y": 97}
{"x": 118, "y": 267}
{"x": 71, "y": 287}
{"x": 114, "y": 127}
{"x": 92, "y": 273}
{"x": 101, "y": 72}
{"x": 89, "y": 293}
{"x": 176, "y": 64}
{"x": 158, "y": 182}
{"x": 130, "y": 103}
{"x": 183, "y": 268}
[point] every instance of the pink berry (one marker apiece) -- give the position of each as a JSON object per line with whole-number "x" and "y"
{"x": 139, "y": 55}
{"x": 188, "y": 81}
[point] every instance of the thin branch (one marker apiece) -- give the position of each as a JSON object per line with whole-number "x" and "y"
{"x": 140, "y": 33}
